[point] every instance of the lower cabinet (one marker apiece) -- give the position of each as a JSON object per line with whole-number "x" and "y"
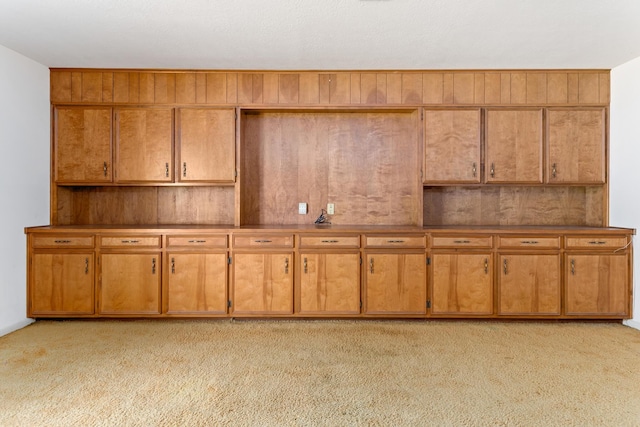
{"x": 395, "y": 283}
{"x": 262, "y": 283}
{"x": 462, "y": 284}
{"x": 597, "y": 284}
{"x": 196, "y": 283}
{"x": 130, "y": 283}
{"x": 529, "y": 284}
{"x": 61, "y": 284}
{"x": 329, "y": 283}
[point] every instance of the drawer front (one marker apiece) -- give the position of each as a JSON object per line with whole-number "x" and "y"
{"x": 597, "y": 242}
{"x": 217, "y": 241}
{"x": 529, "y": 242}
{"x": 396, "y": 241}
{"x": 130, "y": 241}
{"x": 329, "y": 241}
{"x": 62, "y": 241}
{"x": 461, "y": 242}
{"x": 257, "y": 241}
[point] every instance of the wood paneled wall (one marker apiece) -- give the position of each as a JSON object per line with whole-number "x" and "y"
{"x": 324, "y": 88}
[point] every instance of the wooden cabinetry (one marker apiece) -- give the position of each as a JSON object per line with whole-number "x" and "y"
{"x": 451, "y": 146}
{"x": 196, "y": 270}
{"x": 597, "y": 273}
{"x": 82, "y": 145}
{"x": 144, "y": 144}
{"x": 395, "y": 276}
{"x": 461, "y": 275}
{"x": 329, "y": 269}
{"x": 130, "y": 275}
{"x": 576, "y": 144}
{"x": 529, "y": 275}
{"x": 205, "y": 145}
{"x": 514, "y": 146}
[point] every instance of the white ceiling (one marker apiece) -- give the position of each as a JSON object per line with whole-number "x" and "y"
{"x": 323, "y": 34}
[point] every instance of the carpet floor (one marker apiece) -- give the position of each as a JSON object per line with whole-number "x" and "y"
{"x": 320, "y": 373}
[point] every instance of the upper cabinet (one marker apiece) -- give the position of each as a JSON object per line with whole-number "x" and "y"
{"x": 82, "y": 145}
{"x": 513, "y": 146}
{"x": 452, "y": 146}
{"x": 144, "y": 144}
{"x": 205, "y": 145}
{"x": 576, "y": 144}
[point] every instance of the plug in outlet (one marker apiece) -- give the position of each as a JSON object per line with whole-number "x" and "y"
{"x": 331, "y": 209}
{"x": 302, "y": 208}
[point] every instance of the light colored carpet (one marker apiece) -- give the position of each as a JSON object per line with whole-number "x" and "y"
{"x": 320, "y": 373}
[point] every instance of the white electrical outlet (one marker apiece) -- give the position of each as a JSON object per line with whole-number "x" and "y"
{"x": 302, "y": 208}
{"x": 331, "y": 208}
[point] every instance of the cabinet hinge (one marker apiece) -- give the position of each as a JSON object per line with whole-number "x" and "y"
{"x": 421, "y": 114}
{"x": 229, "y": 260}
{"x": 236, "y": 173}
{"x": 360, "y": 264}
{"x": 361, "y": 304}
{"x": 428, "y": 303}
{"x": 229, "y": 303}
{"x": 428, "y": 260}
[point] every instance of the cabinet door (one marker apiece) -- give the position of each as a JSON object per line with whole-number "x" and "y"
{"x": 514, "y": 146}
{"x": 130, "y": 283}
{"x": 82, "y": 145}
{"x": 61, "y": 284}
{"x": 396, "y": 283}
{"x": 330, "y": 283}
{"x": 262, "y": 283}
{"x": 206, "y": 145}
{"x": 597, "y": 284}
{"x": 451, "y": 146}
{"x": 529, "y": 284}
{"x": 144, "y": 143}
{"x": 462, "y": 284}
{"x": 197, "y": 283}
{"x": 576, "y": 146}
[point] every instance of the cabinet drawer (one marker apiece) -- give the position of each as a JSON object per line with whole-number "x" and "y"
{"x": 396, "y": 241}
{"x": 529, "y": 242}
{"x": 330, "y": 241}
{"x": 218, "y": 241}
{"x": 257, "y": 241}
{"x": 461, "y": 242}
{"x": 62, "y": 241}
{"x": 597, "y": 242}
{"x": 128, "y": 241}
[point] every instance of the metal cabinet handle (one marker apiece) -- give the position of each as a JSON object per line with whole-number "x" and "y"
{"x": 493, "y": 170}
{"x": 573, "y": 267}
{"x": 474, "y": 170}
{"x": 197, "y": 241}
{"x": 130, "y": 241}
{"x": 529, "y": 242}
{"x": 262, "y": 241}
{"x": 104, "y": 168}
{"x": 371, "y": 265}
{"x": 305, "y": 265}
{"x": 597, "y": 242}
{"x": 554, "y": 170}
{"x": 62, "y": 241}
{"x": 286, "y": 266}
{"x": 330, "y": 241}
{"x": 153, "y": 266}
{"x": 462, "y": 241}
{"x": 173, "y": 265}
{"x": 184, "y": 169}
{"x": 504, "y": 265}
{"x": 395, "y": 241}
{"x": 86, "y": 266}
{"x": 166, "y": 170}
{"x": 486, "y": 266}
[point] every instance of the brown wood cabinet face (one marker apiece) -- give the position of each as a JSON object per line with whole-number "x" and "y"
{"x": 197, "y": 283}
{"x": 144, "y": 144}
{"x": 61, "y": 284}
{"x": 529, "y": 284}
{"x": 451, "y": 146}
{"x": 462, "y": 284}
{"x": 576, "y": 140}
{"x": 597, "y": 284}
{"x": 130, "y": 283}
{"x": 395, "y": 283}
{"x": 329, "y": 283}
{"x": 514, "y": 146}
{"x": 262, "y": 283}
{"x": 206, "y": 145}
{"x": 82, "y": 145}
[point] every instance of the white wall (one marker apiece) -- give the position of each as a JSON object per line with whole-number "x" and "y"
{"x": 24, "y": 175}
{"x": 625, "y": 160}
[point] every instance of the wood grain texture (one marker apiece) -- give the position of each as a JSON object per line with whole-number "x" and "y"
{"x": 195, "y": 205}
{"x": 462, "y": 284}
{"x": 529, "y": 284}
{"x": 60, "y": 86}
{"x": 130, "y": 283}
